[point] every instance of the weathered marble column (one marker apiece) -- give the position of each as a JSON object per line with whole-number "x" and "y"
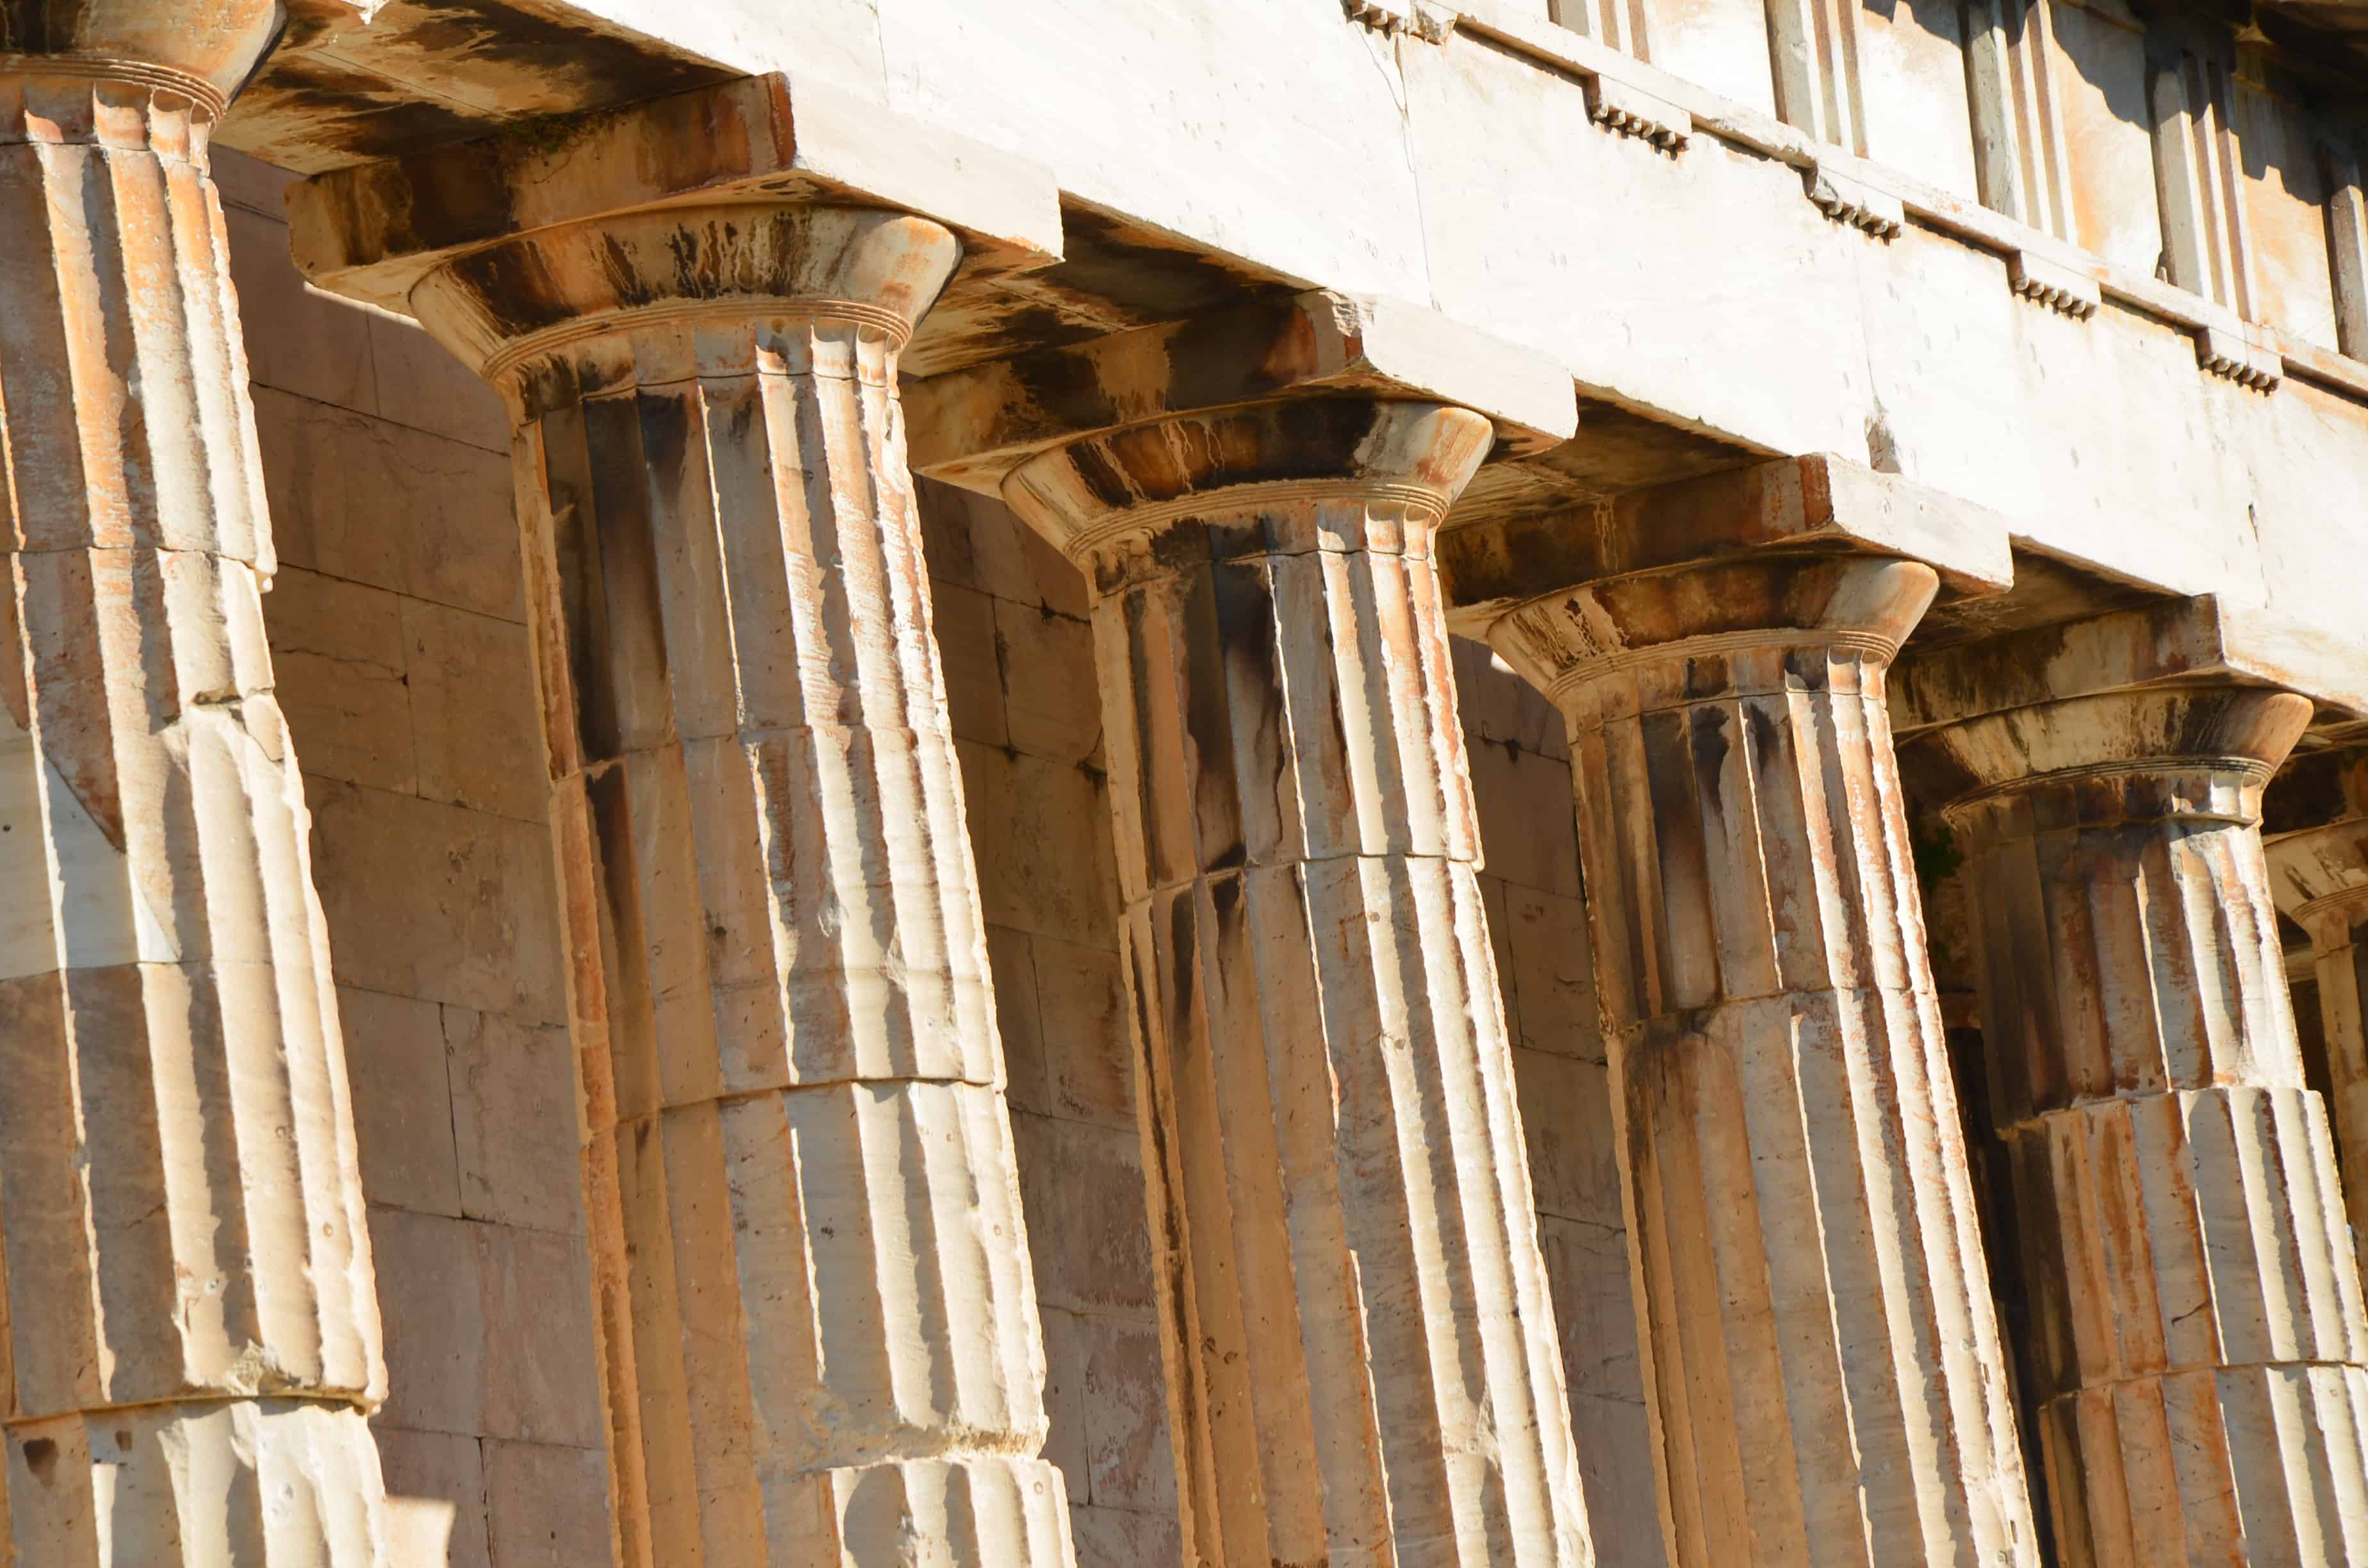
{"x": 2198, "y": 1309}
{"x": 191, "y": 1338}
{"x": 821, "y": 1324}
{"x": 1362, "y": 1360}
{"x": 2315, "y": 822}
{"x": 1820, "y": 1353}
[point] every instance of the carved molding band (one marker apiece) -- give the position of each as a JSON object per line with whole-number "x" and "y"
{"x": 893, "y": 327}
{"x": 22, "y": 73}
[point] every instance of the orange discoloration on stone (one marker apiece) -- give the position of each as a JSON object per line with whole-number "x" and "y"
{"x": 2204, "y": 1355}
{"x": 192, "y": 1329}
{"x": 818, "y": 1323}
{"x": 1821, "y": 1362}
{"x": 1351, "y": 1280}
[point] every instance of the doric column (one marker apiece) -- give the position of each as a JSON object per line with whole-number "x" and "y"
{"x": 819, "y": 1319}
{"x": 191, "y": 1337}
{"x": 2196, "y": 1306}
{"x": 1362, "y": 1351}
{"x": 1820, "y": 1352}
{"x": 2315, "y": 824}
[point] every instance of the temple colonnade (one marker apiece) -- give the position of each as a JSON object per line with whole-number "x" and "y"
{"x": 818, "y": 1336}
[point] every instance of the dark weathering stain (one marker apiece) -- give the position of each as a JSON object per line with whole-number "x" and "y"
{"x": 2307, "y": 793}
{"x": 1765, "y": 740}
{"x": 1235, "y": 659}
{"x": 1107, "y": 258}
{"x": 359, "y": 114}
{"x": 1710, "y": 745}
{"x": 416, "y": 66}
{"x": 41, "y": 26}
{"x": 1173, "y": 1253}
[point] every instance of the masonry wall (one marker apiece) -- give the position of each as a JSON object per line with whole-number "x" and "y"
{"x": 1020, "y": 676}
{"x": 396, "y": 623}
{"x": 1027, "y": 720}
{"x": 1528, "y": 833}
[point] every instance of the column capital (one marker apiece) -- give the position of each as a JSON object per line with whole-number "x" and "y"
{"x": 201, "y": 50}
{"x": 2182, "y": 710}
{"x": 378, "y": 232}
{"x": 1733, "y": 627}
{"x": 2191, "y": 753}
{"x": 974, "y": 426}
{"x": 2203, "y": 639}
{"x": 1246, "y": 471}
{"x": 522, "y": 313}
{"x": 1786, "y": 511}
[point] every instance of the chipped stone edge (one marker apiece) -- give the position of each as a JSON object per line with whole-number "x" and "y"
{"x": 1632, "y": 111}
{"x": 1423, "y": 351}
{"x": 1846, "y": 199}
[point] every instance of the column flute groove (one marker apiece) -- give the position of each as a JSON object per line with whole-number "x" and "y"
{"x": 1821, "y": 1361}
{"x": 2316, "y": 828}
{"x": 191, "y": 1338}
{"x": 1359, "y": 1339}
{"x": 819, "y": 1324}
{"x": 2199, "y": 1311}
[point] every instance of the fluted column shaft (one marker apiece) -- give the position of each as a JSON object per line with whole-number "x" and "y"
{"x": 1361, "y": 1347}
{"x": 2198, "y": 1309}
{"x": 2323, "y": 874}
{"x": 2338, "y": 940}
{"x": 1820, "y": 1356}
{"x": 191, "y": 1337}
{"x": 819, "y": 1320}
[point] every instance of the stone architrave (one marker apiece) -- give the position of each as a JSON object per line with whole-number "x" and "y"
{"x": 1821, "y": 1360}
{"x": 2314, "y": 822}
{"x": 191, "y": 1338}
{"x": 819, "y": 1320}
{"x": 2197, "y": 1308}
{"x": 1361, "y": 1354}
